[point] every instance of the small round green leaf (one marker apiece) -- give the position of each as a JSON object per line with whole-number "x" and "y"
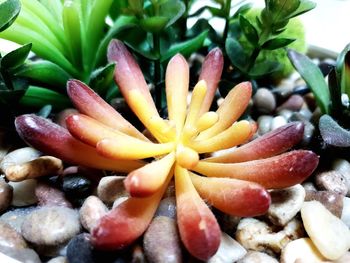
{"x": 9, "y": 11}
{"x": 154, "y": 24}
{"x": 249, "y": 30}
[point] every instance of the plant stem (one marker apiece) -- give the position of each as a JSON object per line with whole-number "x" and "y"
{"x": 252, "y": 59}
{"x": 227, "y": 20}
{"x": 157, "y": 71}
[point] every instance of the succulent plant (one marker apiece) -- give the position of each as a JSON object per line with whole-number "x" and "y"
{"x": 235, "y": 182}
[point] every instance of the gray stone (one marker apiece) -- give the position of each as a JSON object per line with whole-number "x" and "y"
{"x": 167, "y": 207}
{"x": 91, "y": 212}
{"x": 6, "y": 193}
{"x": 285, "y": 113}
{"x": 345, "y": 213}
{"x": 293, "y": 103}
{"x": 24, "y": 192}
{"x": 277, "y": 122}
{"x": 332, "y": 181}
{"x": 264, "y": 100}
{"x": 110, "y": 188}
{"x": 161, "y": 241}
{"x": 51, "y": 226}
{"x": 285, "y": 204}
{"x": 16, "y": 217}
{"x": 343, "y": 166}
{"x": 58, "y": 260}
{"x": 9, "y": 237}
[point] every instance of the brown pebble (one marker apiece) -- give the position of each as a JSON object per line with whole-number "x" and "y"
{"x": 161, "y": 241}
{"x": 333, "y": 181}
{"x": 91, "y": 211}
{"x": 332, "y": 201}
{"x": 110, "y": 188}
{"x": 293, "y": 103}
{"x": 6, "y": 193}
{"x": 42, "y": 166}
{"x": 9, "y": 237}
{"x": 50, "y": 196}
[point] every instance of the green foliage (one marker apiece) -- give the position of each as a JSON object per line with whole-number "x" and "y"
{"x": 9, "y": 11}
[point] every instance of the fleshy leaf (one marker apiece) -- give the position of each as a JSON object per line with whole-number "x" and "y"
{"x": 275, "y": 172}
{"x": 230, "y": 110}
{"x": 199, "y": 230}
{"x": 55, "y": 140}
{"x": 268, "y": 145}
{"x": 232, "y": 196}
{"x": 148, "y": 179}
{"x": 89, "y": 103}
{"x": 211, "y": 72}
{"x": 332, "y": 133}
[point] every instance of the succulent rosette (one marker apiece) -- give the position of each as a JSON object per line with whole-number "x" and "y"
{"x": 235, "y": 181}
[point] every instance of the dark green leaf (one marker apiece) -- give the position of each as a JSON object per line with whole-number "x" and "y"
{"x": 345, "y": 75}
{"x": 276, "y": 43}
{"x": 173, "y": 9}
{"x": 118, "y": 7}
{"x": 236, "y": 53}
{"x": 136, "y": 5}
{"x": 200, "y": 26}
{"x": 186, "y": 48}
{"x": 9, "y": 10}
{"x": 198, "y": 11}
{"x": 335, "y": 93}
{"x": 45, "y": 111}
{"x": 304, "y": 7}
{"x": 101, "y": 79}
{"x": 139, "y": 41}
{"x": 154, "y": 24}
{"x": 242, "y": 10}
{"x": 38, "y": 97}
{"x": 332, "y": 133}
{"x": 11, "y": 97}
{"x": 16, "y": 58}
{"x": 280, "y": 9}
{"x": 249, "y": 30}
{"x": 264, "y": 68}
{"x": 340, "y": 66}
{"x": 216, "y": 11}
{"x": 44, "y": 72}
{"x": 313, "y": 78}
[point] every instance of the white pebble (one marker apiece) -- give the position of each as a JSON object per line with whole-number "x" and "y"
{"x": 229, "y": 250}
{"x": 329, "y": 233}
{"x": 302, "y": 248}
{"x": 24, "y": 192}
{"x": 19, "y": 156}
{"x": 277, "y": 122}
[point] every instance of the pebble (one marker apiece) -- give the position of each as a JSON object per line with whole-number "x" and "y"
{"x": 284, "y": 89}
{"x": 257, "y": 235}
{"x": 257, "y": 257}
{"x": 110, "y": 188}
{"x": 309, "y": 130}
{"x": 309, "y": 186}
{"x": 285, "y": 204}
{"x": 344, "y": 259}
{"x": 329, "y": 234}
{"x": 333, "y": 181}
{"x": 79, "y": 249}
{"x": 301, "y": 89}
{"x": 277, "y": 122}
{"x": 285, "y": 113}
{"x": 42, "y": 166}
{"x": 91, "y": 212}
{"x": 343, "y": 166}
{"x": 306, "y": 113}
{"x": 345, "y": 213}
{"x": 9, "y": 237}
{"x": 6, "y": 193}
{"x": 23, "y": 255}
{"x": 50, "y": 196}
{"x": 293, "y": 103}
{"x": 229, "y": 251}
{"x": 303, "y": 249}
{"x": 332, "y": 201}
{"x": 119, "y": 200}
{"x": 62, "y": 115}
{"x": 138, "y": 255}
{"x": 264, "y": 124}
{"x": 51, "y": 226}
{"x": 24, "y": 192}
{"x": 167, "y": 207}
{"x": 264, "y": 100}
{"x": 19, "y": 156}
{"x": 228, "y": 223}
{"x": 16, "y": 217}
{"x": 58, "y": 260}
{"x": 161, "y": 242}
{"x": 76, "y": 186}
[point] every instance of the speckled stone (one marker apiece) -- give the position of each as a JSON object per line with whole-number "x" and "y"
{"x": 333, "y": 181}
{"x": 332, "y": 201}
{"x": 50, "y": 196}
{"x": 110, "y": 188}
{"x": 167, "y": 207}
{"x": 91, "y": 212}
{"x": 50, "y": 226}
{"x": 257, "y": 257}
{"x": 9, "y": 237}
{"x": 16, "y": 217}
